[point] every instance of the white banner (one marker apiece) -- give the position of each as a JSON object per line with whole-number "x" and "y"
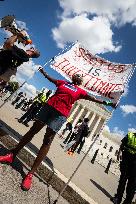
{"x": 100, "y": 77}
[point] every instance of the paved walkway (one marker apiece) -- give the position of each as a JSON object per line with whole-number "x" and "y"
{"x": 91, "y": 179}
{"x": 11, "y": 193}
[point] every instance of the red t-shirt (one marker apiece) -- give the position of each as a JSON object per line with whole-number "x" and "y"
{"x": 65, "y": 96}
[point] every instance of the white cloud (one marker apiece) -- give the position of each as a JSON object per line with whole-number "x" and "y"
{"x": 119, "y": 132}
{"x": 132, "y": 129}
{"x": 27, "y": 70}
{"x": 90, "y": 23}
{"x": 21, "y": 25}
{"x": 106, "y": 128}
{"x": 115, "y": 135}
{"x": 128, "y": 109}
{"x": 30, "y": 90}
{"x": 118, "y": 12}
{"x": 95, "y": 35}
{"x": 115, "y": 130}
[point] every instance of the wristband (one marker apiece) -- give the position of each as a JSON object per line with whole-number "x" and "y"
{"x": 107, "y": 103}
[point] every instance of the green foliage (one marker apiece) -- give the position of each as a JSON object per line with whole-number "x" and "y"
{"x": 14, "y": 85}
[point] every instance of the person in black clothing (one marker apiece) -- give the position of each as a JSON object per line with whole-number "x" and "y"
{"x": 127, "y": 169}
{"x": 71, "y": 135}
{"x": 33, "y": 110}
{"x": 68, "y": 127}
{"x": 2, "y": 86}
{"x": 21, "y": 103}
{"x": 81, "y": 133}
{"x": 82, "y": 140}
{"x": 27, "y": 104}
{"x": 17, "y": 98}
{"x": 12, "y": 57}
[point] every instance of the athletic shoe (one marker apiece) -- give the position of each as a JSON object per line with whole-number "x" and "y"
{"x": 19, "y": 120}
{"x": 27, "y": 182}
{"x": 8, "y": 158}
{"x": 24, "y": 123}
{"x": 70, "y": 153}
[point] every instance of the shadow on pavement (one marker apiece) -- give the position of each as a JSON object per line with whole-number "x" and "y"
{"x": 17, "y": 164}
{"x": 17, "y": 136}
{"x": 2, "y": 132}
{"x": 101, "y": 188}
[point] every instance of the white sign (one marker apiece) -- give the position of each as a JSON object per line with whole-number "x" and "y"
{"x": 100, "y": 77}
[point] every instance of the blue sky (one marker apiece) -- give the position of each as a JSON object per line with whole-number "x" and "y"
{"x": 107, "y": 29}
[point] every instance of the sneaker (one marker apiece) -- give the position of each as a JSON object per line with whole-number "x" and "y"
{"x": 27, "y": 182}
{"x": 19, "y": 120}
{"x": 8, "y": 158}
{"x": 24, "y": 123}
{"x": 68, "y": 152}
{"x": 72, "y": 154}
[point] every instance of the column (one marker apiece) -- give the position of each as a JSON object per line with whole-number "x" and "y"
{"x": 78, "y": 116}
{"x": 87, "y": 114}
{"x": 74, "y": 111}
{"x": 92, "y": 118}
{"x": 95, "y": 127}
{"x": 72, "y": 114}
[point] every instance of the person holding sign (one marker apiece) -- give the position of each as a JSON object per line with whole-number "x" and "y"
{"x": 53, "y": 114}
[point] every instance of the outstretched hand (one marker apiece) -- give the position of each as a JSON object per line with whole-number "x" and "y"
{"x": 114, "y": 105}
{"x": 41, "y": 70}
{"x": 109, "y": 103}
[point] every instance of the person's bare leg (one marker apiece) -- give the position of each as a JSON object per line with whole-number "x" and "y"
{"x": 48, "y": 138}
{"x": 37, "y": 126}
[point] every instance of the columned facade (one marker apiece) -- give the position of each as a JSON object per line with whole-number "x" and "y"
{"x": 96, "y": 113}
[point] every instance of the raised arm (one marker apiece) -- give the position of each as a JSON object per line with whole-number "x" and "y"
{"x": 107, "y": 103}
{"x": 47, "y": 76}
{"x": 11, "y": 40}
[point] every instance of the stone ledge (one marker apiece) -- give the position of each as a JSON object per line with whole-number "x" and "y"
{"x": 45, "y": 172}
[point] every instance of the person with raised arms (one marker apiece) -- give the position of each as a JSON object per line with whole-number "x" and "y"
{"x": 11, "y": 57}
{"x": 53, "y": 114}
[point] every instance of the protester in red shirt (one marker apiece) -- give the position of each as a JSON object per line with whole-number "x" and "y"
{"x": 54, "y": 115}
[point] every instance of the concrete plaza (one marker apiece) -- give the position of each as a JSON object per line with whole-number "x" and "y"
{"x": 90, "y": 179}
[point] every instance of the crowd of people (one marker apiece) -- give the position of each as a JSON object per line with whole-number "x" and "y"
{"x": 53, "y": 111}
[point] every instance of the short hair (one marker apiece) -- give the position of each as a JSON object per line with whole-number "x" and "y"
{"x": 86, "y": 120}
{"x": 36, "y": 54}
{"x": 79, "y": 76}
